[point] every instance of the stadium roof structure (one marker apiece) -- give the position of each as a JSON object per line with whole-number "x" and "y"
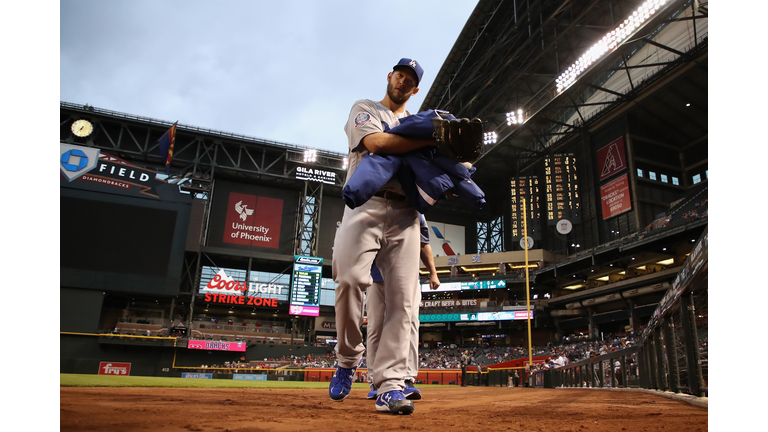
{"x": 566, "y": 68}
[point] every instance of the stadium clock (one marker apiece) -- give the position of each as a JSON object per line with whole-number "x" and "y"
{"x": 82, "y": 128}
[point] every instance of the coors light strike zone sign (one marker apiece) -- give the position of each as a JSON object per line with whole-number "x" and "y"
{"x": 225, "y": 290}
{"x": 253, "y": 220}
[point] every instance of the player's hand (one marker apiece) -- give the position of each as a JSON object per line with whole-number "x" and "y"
{"x": 434, "y": 282}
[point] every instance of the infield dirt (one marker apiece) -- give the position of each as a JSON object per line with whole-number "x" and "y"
{"x": 468, "y": 409}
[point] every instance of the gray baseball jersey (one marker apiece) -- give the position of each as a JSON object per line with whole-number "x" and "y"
{"x": 367, "y": 117}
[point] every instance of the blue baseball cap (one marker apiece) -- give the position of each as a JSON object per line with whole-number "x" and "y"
{"x": 414, "y": 65}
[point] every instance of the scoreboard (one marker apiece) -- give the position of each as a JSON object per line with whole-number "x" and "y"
{"x": 477, "y": 316}
{"x": 460, "y": 286}
{"x": 562, "y": 188}
{"x": 526, "y": 187}
{"x": 305, "y": 286}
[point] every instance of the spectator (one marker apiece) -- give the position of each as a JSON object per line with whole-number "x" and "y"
{"x": 464, "y": 363}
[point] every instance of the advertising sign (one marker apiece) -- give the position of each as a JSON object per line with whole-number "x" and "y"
{"x": 253, "y": 220}
{"x": 249, "y": 377}
{"x": 477, "y": 316}
{"x": 216, "y": 345}
{"x": 114, "y": 368}
{"x": 503, "y": 315}
{"x": 447, "y": 303}
{"x": 251, "y": 217}
{"x": 615, "y": 198}
{"x": 76, "y": 160}
{"x": 224, "y": 289}
{"x": 305, "y": 286}
{"x": 446, "y": 239}
{"x": 611, "y": 159}
{"x": 104, "y": 172}
{"x": 315, "y": 175}
{"x": 196, "y": 375}
{"x": 460, "y": 286}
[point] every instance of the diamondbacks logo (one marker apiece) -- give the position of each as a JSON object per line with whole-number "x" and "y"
{"x": 611, "y": 158}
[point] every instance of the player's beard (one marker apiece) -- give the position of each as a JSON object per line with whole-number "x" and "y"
{"x": 394, "y": 97}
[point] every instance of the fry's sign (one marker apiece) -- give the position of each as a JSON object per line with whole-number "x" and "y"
{"x": 225, "y": 290}
{"x": 113, "y": 368}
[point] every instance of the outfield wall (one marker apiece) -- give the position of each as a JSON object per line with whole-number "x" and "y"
{"x": 82, "y": 353}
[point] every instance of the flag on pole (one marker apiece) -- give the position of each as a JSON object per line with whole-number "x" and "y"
{"x": 166, "y": 146}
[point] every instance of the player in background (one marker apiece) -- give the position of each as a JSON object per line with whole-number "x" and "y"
{"x": 375, "y": 309}
{"x": 385, "y": 228}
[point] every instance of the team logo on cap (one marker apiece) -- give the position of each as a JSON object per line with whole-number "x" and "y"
{"x": 413, "y": 63}
{"x": 362, "y": 118}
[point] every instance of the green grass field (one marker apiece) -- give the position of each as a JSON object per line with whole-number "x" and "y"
{"x": 92, "y": 380}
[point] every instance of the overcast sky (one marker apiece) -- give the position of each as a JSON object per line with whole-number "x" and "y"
{"x": 287, "y": 71}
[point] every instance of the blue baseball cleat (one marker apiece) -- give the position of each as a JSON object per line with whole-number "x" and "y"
{"x": 411, "y": 392}
{"x": 394, "y": 402}
{"x": 373, "y": 393}
{"x": 341, "y": 383}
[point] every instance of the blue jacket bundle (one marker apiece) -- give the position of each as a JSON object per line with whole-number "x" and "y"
{"x": 426, "y": 175}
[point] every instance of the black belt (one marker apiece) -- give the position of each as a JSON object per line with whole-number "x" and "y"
{"x": 390, "y": 196}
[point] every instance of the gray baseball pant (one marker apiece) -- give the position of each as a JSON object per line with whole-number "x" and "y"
{"x": 375, "y": 321}
{"x": 389, "y": 229}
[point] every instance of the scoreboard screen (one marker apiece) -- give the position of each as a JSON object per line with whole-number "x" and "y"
{"x": 525, "y": 188}
{"x": 562, "y": 188}
{"x": 460, "y": 286}
{"x": 305, "y": 286}
{"x": 477, "y": 316}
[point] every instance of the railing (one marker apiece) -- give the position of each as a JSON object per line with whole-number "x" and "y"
{"x": 142, "y": 320}
{"x": 437, "y": 310}
{"x": 673, "y": 349}
{"x": 240, "y": 328}
{"x": 510, "y": 275}
{"x": 618, "y": 369}
{"x": 672, "y": 352}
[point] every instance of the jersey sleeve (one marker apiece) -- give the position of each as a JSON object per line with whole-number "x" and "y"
{"x": 424, "y": 229}
{"x": 363, "y": 120}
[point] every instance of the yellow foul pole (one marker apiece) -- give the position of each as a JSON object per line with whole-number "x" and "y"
{"x": 527, "y": 282}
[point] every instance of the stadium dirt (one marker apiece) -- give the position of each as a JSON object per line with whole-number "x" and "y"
{"x": 441, "y": 409}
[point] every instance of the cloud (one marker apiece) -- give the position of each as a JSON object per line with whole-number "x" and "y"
{"x": 285, "y": 71}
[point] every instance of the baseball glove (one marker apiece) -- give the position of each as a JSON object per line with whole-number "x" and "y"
{"x": 461, "y": 140}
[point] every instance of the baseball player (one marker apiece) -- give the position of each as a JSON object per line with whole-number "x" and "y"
{"x": 375, "y": 316}
{"x": 385, "y": 228}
